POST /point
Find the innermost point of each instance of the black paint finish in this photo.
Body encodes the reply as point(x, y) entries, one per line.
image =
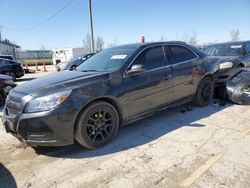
point(134, 96)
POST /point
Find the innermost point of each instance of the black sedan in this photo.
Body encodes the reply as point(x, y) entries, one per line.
point(113, 88)
point(238, 53)
point(6, 84)
point(11, 68)
point(73, 64)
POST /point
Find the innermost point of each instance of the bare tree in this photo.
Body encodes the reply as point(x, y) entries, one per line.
point(235, 35)
point(42, 47)
point(99, 43)
point(162, 38)
point(87, 42)
point(114, 43)
point(191, 39)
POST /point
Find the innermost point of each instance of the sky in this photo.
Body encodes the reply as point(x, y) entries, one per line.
point(35, 24)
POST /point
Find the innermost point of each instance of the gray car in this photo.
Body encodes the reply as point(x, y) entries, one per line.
point(238, 51)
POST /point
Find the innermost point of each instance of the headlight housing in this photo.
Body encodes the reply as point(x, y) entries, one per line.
point(47, 102)
point(226, 65)
point(9, 82)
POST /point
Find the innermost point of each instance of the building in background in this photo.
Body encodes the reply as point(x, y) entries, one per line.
point(67, 54)
point(35, 56)
point(8, 49)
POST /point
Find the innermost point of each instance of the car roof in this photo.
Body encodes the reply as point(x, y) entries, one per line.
point(225, 43)
point(138, 45)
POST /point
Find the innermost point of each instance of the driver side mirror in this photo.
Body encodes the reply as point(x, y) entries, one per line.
point(135, 69)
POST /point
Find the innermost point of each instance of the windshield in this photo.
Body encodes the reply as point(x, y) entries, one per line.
point(106, 60)
point(225, 50)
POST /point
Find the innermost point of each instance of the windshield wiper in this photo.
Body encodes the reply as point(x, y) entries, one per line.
point(89, 71)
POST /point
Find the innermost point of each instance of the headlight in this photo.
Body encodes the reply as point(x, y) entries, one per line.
point(226, 65)
point(47, 102)
point(9, 82)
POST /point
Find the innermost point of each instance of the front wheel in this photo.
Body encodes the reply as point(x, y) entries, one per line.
point(97, 125)
point(205, 92)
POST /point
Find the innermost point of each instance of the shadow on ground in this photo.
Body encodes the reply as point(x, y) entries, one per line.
point(6, 178)
point(141, 132)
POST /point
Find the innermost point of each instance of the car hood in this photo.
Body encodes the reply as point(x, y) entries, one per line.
point(56, 81)
point(4, 77)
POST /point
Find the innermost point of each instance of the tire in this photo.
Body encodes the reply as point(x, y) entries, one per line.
point(205, 92)
point(97, 125)
point(11, 74)
point(1, 100)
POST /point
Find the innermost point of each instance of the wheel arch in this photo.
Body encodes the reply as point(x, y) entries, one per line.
point(107, 99)
point(208, 74)
point(241, 65)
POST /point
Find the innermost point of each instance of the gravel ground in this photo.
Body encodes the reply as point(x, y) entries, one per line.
point(182, 147)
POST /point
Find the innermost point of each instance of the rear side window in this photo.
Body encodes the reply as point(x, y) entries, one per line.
point(4, 62)
point(248, 47)
point(151, 58)
point(181, 54)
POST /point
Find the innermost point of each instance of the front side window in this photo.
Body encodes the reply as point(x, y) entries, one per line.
point(151, 58)
point(181, 54)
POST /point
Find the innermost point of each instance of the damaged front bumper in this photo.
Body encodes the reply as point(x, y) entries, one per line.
point(236, 88)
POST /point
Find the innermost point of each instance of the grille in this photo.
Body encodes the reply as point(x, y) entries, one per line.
point(13, 105)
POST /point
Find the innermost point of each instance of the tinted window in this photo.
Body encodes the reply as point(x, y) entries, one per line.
point(248, 48)
point(151, 58)
point(181, 54)
point(6, 57)
point(4, 62)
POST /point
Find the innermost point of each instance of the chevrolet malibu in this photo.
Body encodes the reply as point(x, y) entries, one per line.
point(113, 88)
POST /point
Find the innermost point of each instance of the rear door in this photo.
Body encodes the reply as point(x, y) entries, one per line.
point(151, 88)
point(247, 54)
point(184, 65)
point(4, 65)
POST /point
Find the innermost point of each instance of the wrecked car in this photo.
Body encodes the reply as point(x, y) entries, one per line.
point(237, 52)
point(113, 88)
point(236, 88)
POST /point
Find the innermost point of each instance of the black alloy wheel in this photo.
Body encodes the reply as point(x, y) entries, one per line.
point(97, 125)
point(205, 92)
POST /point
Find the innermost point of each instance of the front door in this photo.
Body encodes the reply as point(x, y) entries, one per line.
point(151, 88)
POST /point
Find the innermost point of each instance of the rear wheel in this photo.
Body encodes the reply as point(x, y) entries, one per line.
point(97, 125)
point(205, 92)
point(11, 74)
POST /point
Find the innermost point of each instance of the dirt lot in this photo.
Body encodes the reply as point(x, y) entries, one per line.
point(183, 147)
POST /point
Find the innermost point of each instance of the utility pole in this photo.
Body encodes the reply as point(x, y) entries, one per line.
point(91, 28)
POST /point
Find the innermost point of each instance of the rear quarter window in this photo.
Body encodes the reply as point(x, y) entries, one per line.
point(4, 62)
